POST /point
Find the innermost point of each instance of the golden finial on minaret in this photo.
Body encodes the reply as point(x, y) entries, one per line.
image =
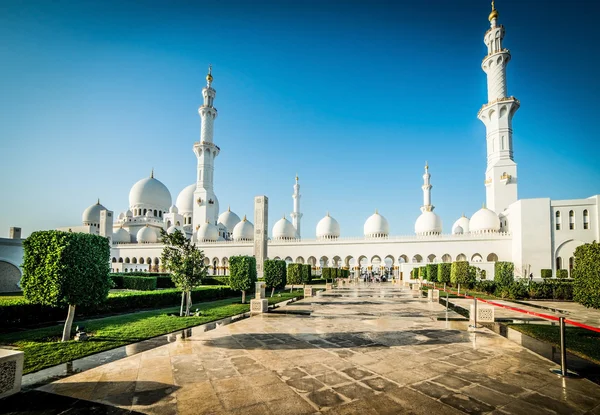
point(244, 220)
point(494, 13)
point(228, 208)
point(98, 202)
point(296, 177)
point(209, 77)
point(152, 173)
point(426, 165)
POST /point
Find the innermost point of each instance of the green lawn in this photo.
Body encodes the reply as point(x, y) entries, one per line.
point(580, 342)
point(43, 349)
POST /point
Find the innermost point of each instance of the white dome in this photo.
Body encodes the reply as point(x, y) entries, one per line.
point(185, 199)
point(91, 215)
point(428, 223)
point(483, 221)
point(229, 219)
point(128, 213)
point(121, 236)
point(150, 193)
point(243, 231)
point(147, 235)
point(173, 209)
point(121, 216)
point(283, 229)
point(328, 228)
point(463, 224)
point(208, 232)
point(174, 228)
point(376, 226)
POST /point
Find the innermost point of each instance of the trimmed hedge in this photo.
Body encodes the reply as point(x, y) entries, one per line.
point(274, 273)
point(423, 272)
point(242, 272)
point(163, 279)
point(459, 273)
point(432, 272)
point(294, 274)
point(306, 273)
point(546, 273)
point(22, 312)
point(586, 273)
point(444, 270)
point(223, 280)
point(504, 273)
point(139, 283)
point(562, 273)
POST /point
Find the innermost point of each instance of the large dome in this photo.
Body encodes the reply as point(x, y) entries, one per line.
point(484, 221)
point(376, 226)
point(328, 228)
point(229, 219)
point(121, 236)
point(208, 233)
point(428, 223)
point(243, 231)
point(461, 225)
point(91, 215)
point(185, 199)
point(150, 193)
point(283, 229)
point(147, 235)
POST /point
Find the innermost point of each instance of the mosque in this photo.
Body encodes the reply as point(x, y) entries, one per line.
point(535, 234)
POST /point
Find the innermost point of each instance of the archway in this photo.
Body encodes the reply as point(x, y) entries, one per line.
point(10, 276)
point(300, 260)
point(461, 257)
point(431, 258)
point(446, 258)
point(417, 258)
point(492, 257)
point(476, 258)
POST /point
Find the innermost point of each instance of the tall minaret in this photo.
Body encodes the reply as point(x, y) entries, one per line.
point(296, 215)
point(206, 205)
point(497, 114)
point(427, 206)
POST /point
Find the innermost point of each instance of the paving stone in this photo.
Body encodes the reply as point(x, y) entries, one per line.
point(354, 391)
point(305, 384)
point(451, 382)
point(325, 398)
point(466, 404)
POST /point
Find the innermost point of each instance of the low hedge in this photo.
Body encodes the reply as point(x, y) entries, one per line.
point(139, 283)
point(215, 280)
point(562, 273)
point(163, 279)
point(546, 273)
point(19, 312)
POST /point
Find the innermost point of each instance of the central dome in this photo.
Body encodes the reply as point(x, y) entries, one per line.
point(229, 219)
point(376, 226)
point(185, 199)
point(328, 228)
point(284, 229)
point(243, 231)
point(484, 221)
point(428, 223)
point(150, 193)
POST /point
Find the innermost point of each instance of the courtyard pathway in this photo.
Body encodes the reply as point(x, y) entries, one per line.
point(358, 350)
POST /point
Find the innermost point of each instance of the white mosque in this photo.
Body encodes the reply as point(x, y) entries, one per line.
point(533, 233)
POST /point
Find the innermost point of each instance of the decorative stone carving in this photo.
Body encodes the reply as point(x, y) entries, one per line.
point(11, 371)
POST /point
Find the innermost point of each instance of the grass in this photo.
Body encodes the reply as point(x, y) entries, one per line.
point(42, 347)
point(580, 342)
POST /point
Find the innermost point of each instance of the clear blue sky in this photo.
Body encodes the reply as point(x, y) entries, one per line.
point(354, 96)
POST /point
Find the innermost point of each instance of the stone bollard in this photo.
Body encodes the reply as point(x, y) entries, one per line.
point(260, 304)
point(328, 286)
point(309, 291)
point(11, 372)
point(433, 295)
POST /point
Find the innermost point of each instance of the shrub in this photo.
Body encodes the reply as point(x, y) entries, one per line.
point(117, 281)
point(139, 283)
point(215, 280)
point(414, 273)
point(546, 273)
point(515, 290)
point(274, 273)
point(586, 273)
point(66, 269)
point(487, 287)
point(459, 273)
point(242, 273)
point(294, 274)
point(504, 273)
point(444, 270)
point(432, 272)
point(423, 272)
point(326, 273)
point(562, 273)
point(306, 273)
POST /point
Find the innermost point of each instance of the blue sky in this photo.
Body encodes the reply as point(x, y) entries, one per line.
point(354, 96)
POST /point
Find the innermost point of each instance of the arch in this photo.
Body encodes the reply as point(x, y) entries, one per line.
point(323, 261)
point(558, 262)
point(206, 261)
point(461, 257)
point(586, 219)
point(492, 257)
point(145, 210)
point(431, 258)
point(389, 261)
point(566, 250)
point(363, 262)
point(375, 260)
point(288, 260)
point(503, 111)
point(134, 260)
point(348, 260)
point(557, 220)
point(114, 260)
point(312, 261)
point(155, 212)
point(178, 223)
point(141, 260)
point(10, 277)
point(571, 220)
point(277, 258)
point(215, 265)
point(120, 260)
point(417, 258)
point(446, 258)
point(127, 260)
point(476, 258)
point(300, 260)
point(402, 259)
point(156, 261)
point(149, 261)
point(168, 224)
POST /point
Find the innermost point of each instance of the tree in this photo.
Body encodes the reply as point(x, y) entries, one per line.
point(242, 274)
point(294, 274)
point(306, 274)
point(66, 269)
point(274, 274)
point(586, 274)
point(504, 273)
point(186, 264)
point(432, 272)
point(459, 273)
point(444, 272)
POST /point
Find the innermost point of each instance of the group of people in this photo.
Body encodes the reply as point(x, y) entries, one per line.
point(372, 277)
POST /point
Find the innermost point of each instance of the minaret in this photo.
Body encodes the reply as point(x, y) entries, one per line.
point(427, 206)
point(296, 215)
point(497, 114)
point(206, 205)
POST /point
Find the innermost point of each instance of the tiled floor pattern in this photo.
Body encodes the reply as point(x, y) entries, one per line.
point(374, 350)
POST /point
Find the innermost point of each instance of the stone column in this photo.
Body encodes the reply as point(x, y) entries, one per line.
point(261, 229)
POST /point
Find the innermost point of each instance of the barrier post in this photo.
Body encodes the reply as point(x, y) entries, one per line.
point(446, 301)
point(475, 313)
point(458, 289)
point(563, 371)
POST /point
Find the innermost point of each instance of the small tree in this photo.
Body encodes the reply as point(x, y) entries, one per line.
point(66, 269)
point(326, 273)
point(562, 274)
point(459, 272)
point(294, 274)
point(546, 273)
point(444, 270)
point(186, 264)
point(242, 274)
point(306, 274)
point(432, 271)
point(274, 274)
point(504, 273)
point(422, 272)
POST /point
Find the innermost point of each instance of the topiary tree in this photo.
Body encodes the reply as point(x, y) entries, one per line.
point(444, 270)
point(546, 273)
point(306, 274)
point(562, 274)
point(274, 274)
point(504, 273)
point(242, 274)
point(66, 269)
point(432, 272)
point(422, 272)
point(459, 273)
point(326, 273)
point(294, 275)
point(185, 262)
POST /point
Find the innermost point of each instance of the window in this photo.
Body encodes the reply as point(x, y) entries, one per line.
point(558, 263)
point(557, 221)
point(571, 220)
point(586, 219)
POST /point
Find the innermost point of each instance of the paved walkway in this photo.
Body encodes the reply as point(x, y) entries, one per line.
point(373, 350)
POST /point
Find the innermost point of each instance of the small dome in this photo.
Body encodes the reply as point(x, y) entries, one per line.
point(128, 213)
point(173, 209)
point(243, 231)
point(185, 199)
point(147, 235)
point(484, 221)
point(376, 226)
point(151, 193)
point(428, 223)
point(121, 216)
point(174, 228)
point(92, 214)
point(462, 223)
point(208, 233)
point(121, 236)
point(229, 219)
point(328, 228)
point(283, 229)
